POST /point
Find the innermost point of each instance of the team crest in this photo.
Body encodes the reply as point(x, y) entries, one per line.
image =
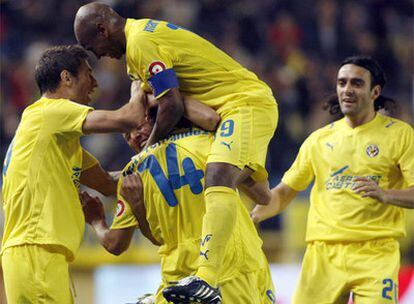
point(155, 67)
point(372, 150)
point(120, 208)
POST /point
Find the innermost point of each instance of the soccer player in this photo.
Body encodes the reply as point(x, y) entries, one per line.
point(170, 59)
point(43, 168)
point(363, 168)
point(161, 193)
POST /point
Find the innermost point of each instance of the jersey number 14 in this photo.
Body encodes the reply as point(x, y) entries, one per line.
point(192, 176)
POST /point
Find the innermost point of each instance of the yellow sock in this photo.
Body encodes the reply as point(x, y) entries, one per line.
point(218, 226)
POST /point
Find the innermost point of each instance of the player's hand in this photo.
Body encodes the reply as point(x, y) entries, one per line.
point(258, 214)
point(136, 88)
point(92, 208)
point(151, 101)
point(369, 188)
point(131, 189)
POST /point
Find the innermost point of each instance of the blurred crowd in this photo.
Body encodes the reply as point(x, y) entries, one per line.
point(293, 45)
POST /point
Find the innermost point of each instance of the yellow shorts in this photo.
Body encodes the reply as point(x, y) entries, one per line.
point(243, 136)
point(36, 274)
point(250, 288)
point(330, 271)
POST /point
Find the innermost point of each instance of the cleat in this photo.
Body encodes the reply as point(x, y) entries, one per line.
point(192, 289)
point(146, 299)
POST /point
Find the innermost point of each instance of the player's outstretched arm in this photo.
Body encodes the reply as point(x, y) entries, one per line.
point(100, 180)
point(132, 192)
point(282, 195)
point(200, 114)
point(170, 110)
point(129, 116)
point(115, 241)
point(195, 111)
point(369, 188)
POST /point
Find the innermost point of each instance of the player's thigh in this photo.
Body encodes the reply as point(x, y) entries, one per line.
point(376, 267)
point(266, 287)
point(19, 276)
point(40, 277)
point(243, 136)
point(249, 288)
point(321, 278)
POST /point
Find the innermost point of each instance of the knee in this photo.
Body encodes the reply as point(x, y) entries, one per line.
point(221, 174)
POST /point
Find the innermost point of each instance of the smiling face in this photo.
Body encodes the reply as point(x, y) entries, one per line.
point(355, 95)
point(138, 137)
point(83, 85)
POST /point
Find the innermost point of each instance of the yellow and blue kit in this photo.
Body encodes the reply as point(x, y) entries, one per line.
point(351, 238)
point(44, 222)
point(172, 173)
point(166, 56)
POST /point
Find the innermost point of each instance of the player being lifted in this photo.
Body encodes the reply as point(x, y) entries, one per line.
point(170, 60)
point(162, 194)
point(363, 171)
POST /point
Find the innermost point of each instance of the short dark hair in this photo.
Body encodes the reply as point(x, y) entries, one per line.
point(53, 61)
point(370, 64)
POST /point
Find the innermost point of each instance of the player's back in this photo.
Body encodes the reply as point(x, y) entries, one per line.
point(172, 173)
point(204, 71)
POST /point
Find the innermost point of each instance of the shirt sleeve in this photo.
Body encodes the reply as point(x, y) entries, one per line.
point(301, 173)
point(88, 160)
point(123, 217)
point(406, 159)
point(147, 59)
point(65, 117)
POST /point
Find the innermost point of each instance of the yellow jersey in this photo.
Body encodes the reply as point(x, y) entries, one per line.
point(203, 71)
point(172, 172)
point(41, 176)
point(381, 150)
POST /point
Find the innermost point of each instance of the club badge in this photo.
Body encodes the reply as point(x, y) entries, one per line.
point(372, 150)
point(155, 67)
point(120, 208)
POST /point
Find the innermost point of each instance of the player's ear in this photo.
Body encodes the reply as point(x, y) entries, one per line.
point(376, 91)
point(66, 78)
point(102, 30)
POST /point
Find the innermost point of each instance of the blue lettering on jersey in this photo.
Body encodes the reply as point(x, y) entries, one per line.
point(150, 26)
point(191, 177)
point(339, 181)
point(339, 171)
point(76, 174)
point(173, 26)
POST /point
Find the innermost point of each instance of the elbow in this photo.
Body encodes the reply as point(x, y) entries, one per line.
point(115, 251)
point(213, 119)
point(117, 248)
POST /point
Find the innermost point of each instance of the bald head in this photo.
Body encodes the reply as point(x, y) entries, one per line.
point(97, 26)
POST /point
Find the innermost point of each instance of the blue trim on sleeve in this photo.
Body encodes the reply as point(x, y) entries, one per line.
point(163, 81)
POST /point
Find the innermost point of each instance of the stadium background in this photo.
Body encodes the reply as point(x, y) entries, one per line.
point(293, 45)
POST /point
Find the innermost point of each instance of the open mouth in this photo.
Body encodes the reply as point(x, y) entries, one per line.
point(348, 101)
